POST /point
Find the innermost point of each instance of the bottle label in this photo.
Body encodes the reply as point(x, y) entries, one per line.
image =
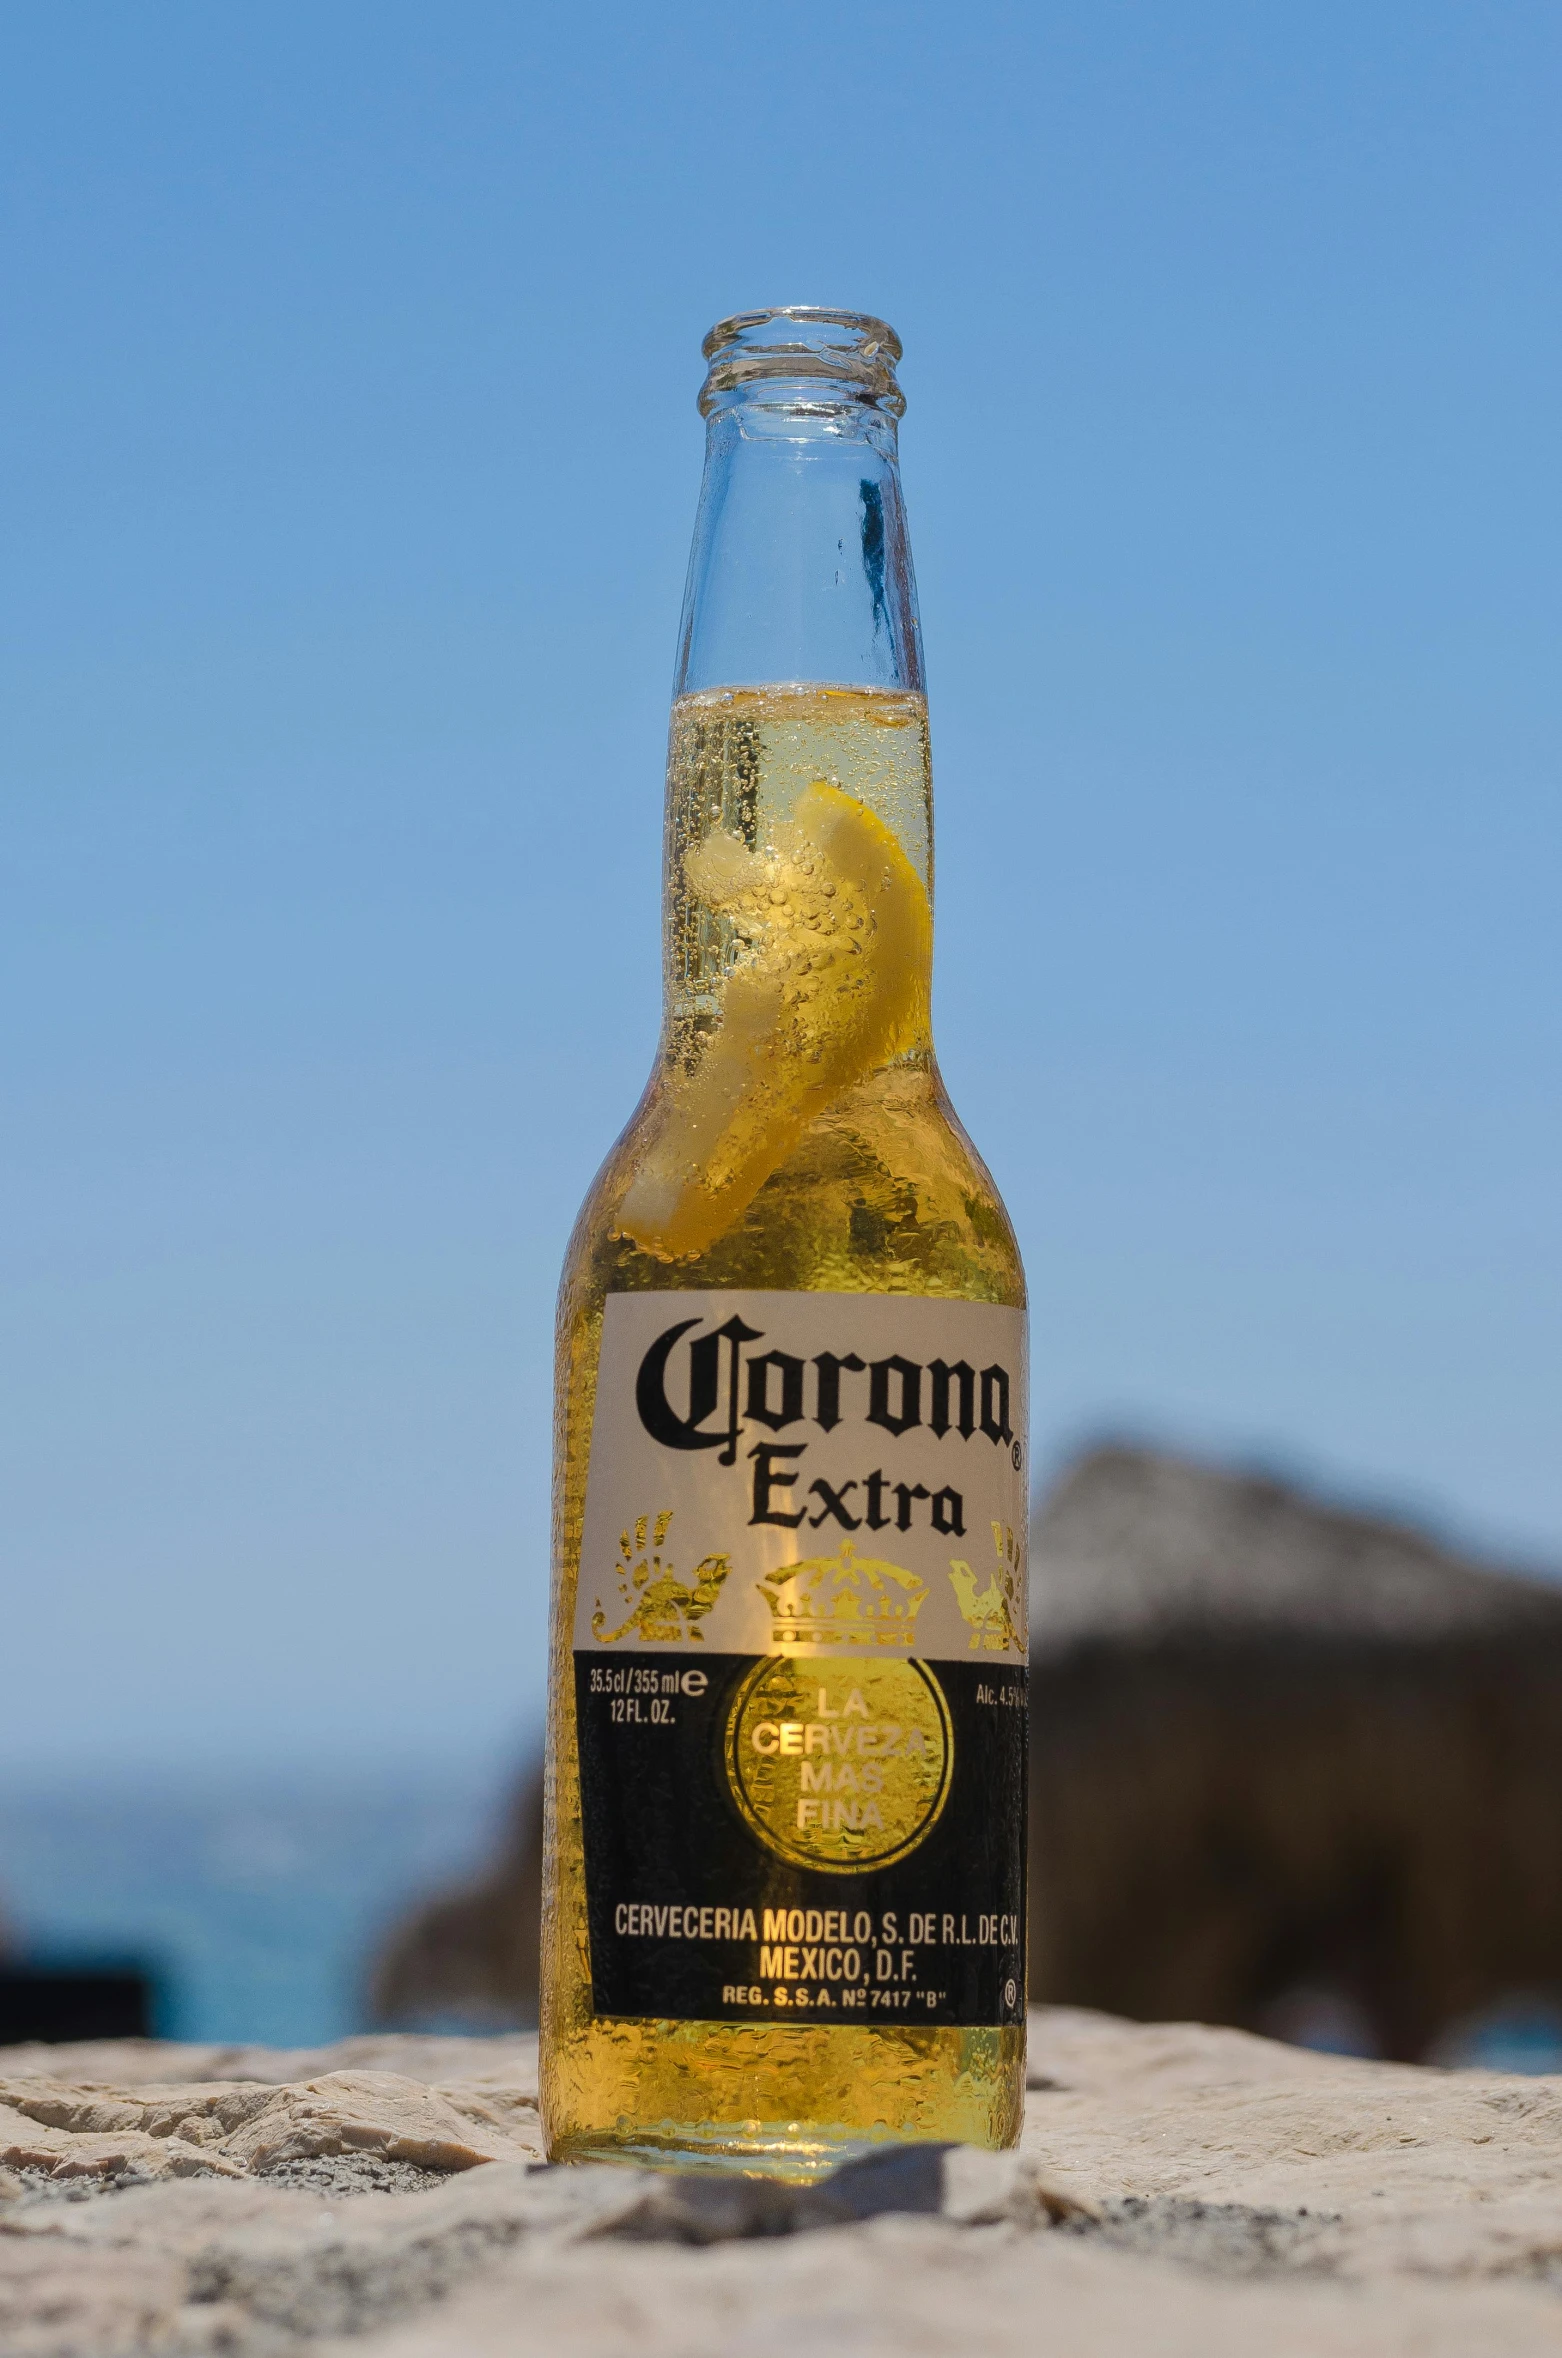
point(800, 1659)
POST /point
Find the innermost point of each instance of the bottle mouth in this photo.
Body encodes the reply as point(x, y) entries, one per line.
point(803, 346)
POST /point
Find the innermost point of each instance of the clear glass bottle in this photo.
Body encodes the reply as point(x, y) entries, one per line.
point(784, 1884)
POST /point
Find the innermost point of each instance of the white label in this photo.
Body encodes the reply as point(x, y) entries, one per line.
point(800, 1473)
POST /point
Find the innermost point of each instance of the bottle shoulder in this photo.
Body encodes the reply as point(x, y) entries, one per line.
point(884, 1193)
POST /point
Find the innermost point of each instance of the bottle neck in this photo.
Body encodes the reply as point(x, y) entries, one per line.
point(798, 913)
point(800, 571)
point(800, 653)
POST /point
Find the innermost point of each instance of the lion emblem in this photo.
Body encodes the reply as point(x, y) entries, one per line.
point(996, 1613)
point(661, 1608)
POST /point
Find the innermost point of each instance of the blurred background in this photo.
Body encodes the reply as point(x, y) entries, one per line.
point(350, 461)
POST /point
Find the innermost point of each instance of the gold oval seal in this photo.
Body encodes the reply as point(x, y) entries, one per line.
point(840, 1765)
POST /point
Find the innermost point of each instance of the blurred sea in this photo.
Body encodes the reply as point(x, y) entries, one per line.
point(255, 1905)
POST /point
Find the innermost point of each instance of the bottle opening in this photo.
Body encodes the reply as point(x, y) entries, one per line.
point(847, 355)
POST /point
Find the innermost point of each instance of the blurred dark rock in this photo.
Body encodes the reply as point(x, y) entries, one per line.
point(73, 2002)
point(1285, 1760)
point(468, 1956)
point(1293, 1769)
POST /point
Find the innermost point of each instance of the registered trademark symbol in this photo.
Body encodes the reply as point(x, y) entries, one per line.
point(1016, 1457)
point(1010, 1993)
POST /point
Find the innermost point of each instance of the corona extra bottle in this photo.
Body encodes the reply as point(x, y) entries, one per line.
point(784, 1896)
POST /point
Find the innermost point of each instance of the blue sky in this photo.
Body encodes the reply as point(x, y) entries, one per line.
point(351, 456)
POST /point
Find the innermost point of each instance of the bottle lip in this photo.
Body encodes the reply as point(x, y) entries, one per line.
point(804, 344)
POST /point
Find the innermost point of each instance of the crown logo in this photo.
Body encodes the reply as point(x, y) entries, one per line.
point(662, 1609)
point(996, 1614)
point(844, 1599)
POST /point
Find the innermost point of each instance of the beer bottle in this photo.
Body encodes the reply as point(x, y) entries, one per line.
point(784, 1897)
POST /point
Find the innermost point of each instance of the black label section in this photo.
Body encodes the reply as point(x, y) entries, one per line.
point(695, 1915)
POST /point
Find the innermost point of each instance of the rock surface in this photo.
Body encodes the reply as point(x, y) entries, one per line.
point(1180, 2192)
